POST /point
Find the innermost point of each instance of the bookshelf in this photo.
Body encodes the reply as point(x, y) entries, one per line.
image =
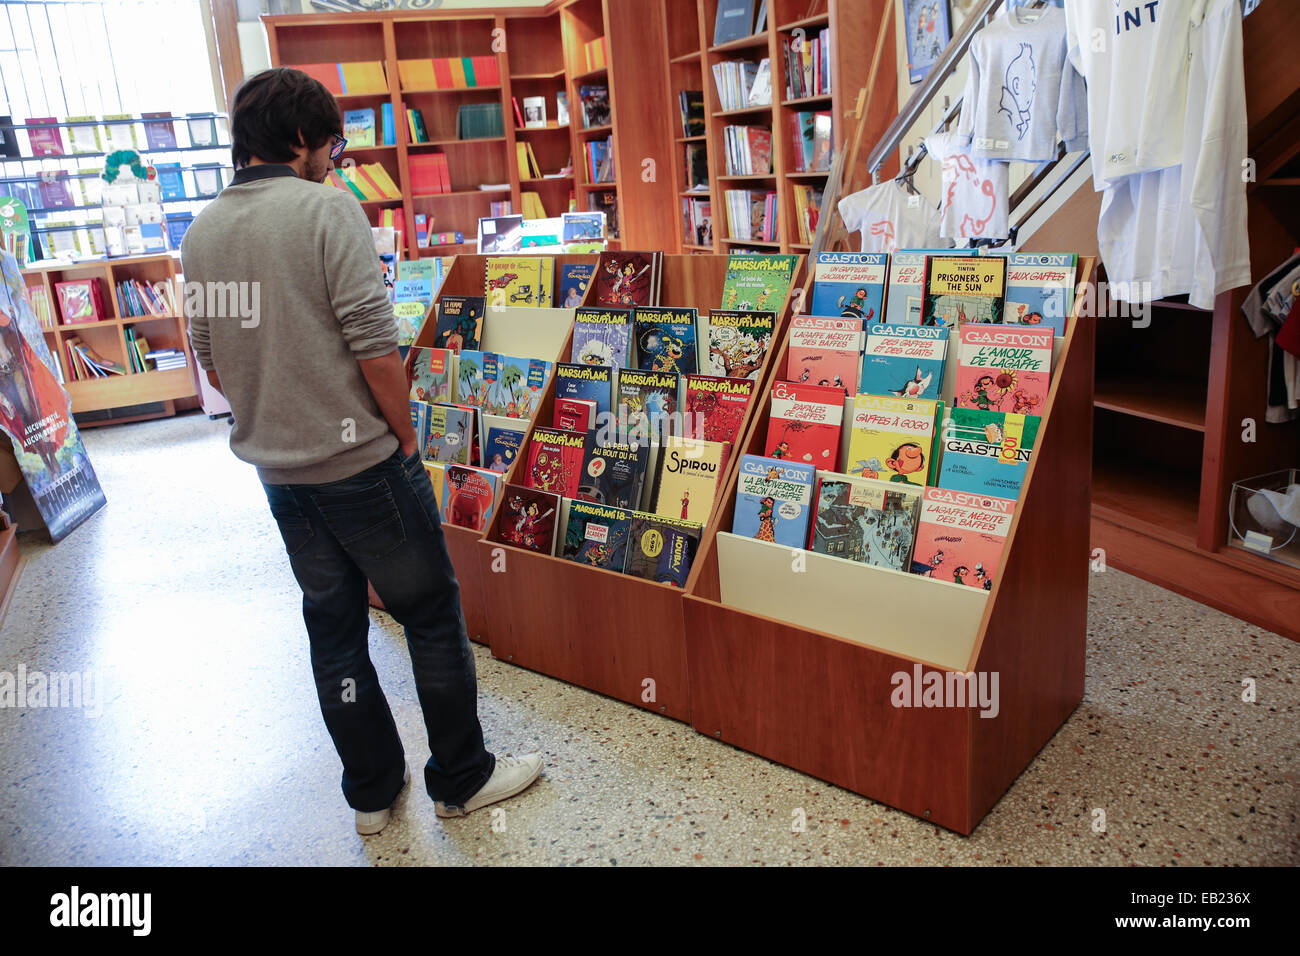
point(108, 337)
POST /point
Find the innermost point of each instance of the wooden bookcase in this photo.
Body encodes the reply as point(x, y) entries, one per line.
point(816, 695)
point(599, 629)
point(108, 338)
point(466, 277)
point(689, 57)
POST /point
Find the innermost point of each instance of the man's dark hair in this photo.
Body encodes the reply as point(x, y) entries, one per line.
point(277, 110)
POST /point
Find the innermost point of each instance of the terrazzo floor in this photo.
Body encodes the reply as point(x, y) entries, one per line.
point(209, 747)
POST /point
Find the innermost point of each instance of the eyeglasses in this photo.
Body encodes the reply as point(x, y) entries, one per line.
point(337, 147)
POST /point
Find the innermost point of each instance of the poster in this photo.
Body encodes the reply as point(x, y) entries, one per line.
point(35, 412)
point(928, 28)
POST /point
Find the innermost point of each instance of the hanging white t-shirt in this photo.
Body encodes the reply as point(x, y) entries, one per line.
point(1182, 229)
point(1135, 56)
point(890, 218)
point(973, 199)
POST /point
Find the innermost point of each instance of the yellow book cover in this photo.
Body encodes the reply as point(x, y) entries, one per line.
point(457, 72)
point(365, 76)
point(435, 471)
point(686, 479)
point(892, 439)
point(521, 157)
point(514, 281)
point(416, 74)
point(384, 181)
point(532, 204)
point(359, 184)
point(546, 266)
point(533, 164)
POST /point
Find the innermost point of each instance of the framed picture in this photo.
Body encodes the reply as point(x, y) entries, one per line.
point(928, 27)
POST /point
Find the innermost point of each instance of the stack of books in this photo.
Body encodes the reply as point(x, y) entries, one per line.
point(807, 207)
point(600, 160)
point(742, 83)
point(136, 298)
point(429, 174)
point(810, 139)
point(449, 73)
point(749, 150)
point(752, 214)
point(348, 79)
point(369, 181)
point(479, 121)
point(85, 363)
point(167, 359)
point(807, 65)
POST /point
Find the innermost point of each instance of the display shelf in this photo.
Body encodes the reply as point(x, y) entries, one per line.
point(823, 701)
point(595, 641)
point(1179, 402)
point(520, 332)
point(1162, 502)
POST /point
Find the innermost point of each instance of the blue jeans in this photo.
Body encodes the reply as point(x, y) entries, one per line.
point(382, 525)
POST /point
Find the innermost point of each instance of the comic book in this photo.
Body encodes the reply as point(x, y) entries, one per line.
point(573, 283)
point(687, 476)
point(515, 390)
point(850, 285)
point(614, 474)
point(448, 435)
point(987, 453)
point(645, 402)
point(433, 374)
point(586, 382)
point(774, 500)
point(460, 322)
point(861, 519)
point(468, 495)
point(555, 460)
point(475, 373)
point(805, 424)
point(893, 438)
point(715, 407)
point(531, 518)
point(734, 342)
point(661, 549)
point(906, 286)
point(1040, 289)
point(757, 282)
point(419, 419)
point(906, 361)
point(1004, 368)
point(574, 415)
point(501, 449)
point(597, 535)
point(961, 537)
point(961, 289)
point(825, 351)
point(519, 281)
point(628, 279)
point(665, 339)
point(602, 336)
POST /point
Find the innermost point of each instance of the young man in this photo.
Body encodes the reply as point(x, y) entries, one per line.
point(320, 406)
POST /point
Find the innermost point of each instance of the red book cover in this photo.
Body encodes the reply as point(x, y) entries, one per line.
point(555, 460)
point(468, 495)
point(444, 172)
point(575, 415)
point(805, 425)
point(45, 142)
point(78, 301)
point(715, 407)
point(625, 279)
point(760, 149)
point(1003, 368)
point(424, 175)
point(442, 74)
point(327, 73)
point(519, 117)
point(825, 351)
point(486, 72)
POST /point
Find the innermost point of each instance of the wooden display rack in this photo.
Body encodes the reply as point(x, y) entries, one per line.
point(108, 339)
point(599, 629)
point(819, 700)
point(545, 333)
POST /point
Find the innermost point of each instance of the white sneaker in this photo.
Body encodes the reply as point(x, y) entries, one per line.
point(368, 824)
point(511, 776)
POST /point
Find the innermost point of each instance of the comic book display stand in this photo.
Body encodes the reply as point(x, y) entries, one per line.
point(616, 634)
point(799, 665)
point(513, 330)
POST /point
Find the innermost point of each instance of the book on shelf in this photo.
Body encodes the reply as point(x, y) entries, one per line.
point(665, 338)
point(599, 158)
point(86, 363)
point(44, 138)
point(961, 289)
point(807, 210)
point(449, 73)
point(697, 217)
point(1004, 368)
point(661, 549)
point(960, 537)
point(752, 214)
point(715, 407)
point(429, 174)
point(80, 301)
point(1040, 289)
point(136, 299)
point(519, 281)
point(807, 64)
point(582, 227)
point(171, 182)
point(447, 434)
point(757, 282)
point(986, 452)
point(615, 474)
point(468, 496)
point(826, 351)
point(387, 130)
point(735, 342)
point(207, 179)
point(748, 150)
point(646, 401)
point(697, 167)
point(500, 233)
point(530, 518)
point(686, 478)
point(359, 128)
point(83, 135)
point(906, 361)
point(518, 386)
point(804, 424)
point(605, 201)
point(892, 439)
point(628, 279)
point(736, 82)
point(529, 168)
point(167, 359)
point(433, 374)
point(571, 284)
point(479, 121)
point(690, 103)
point(602, 335)
point(554, 460)
point(811, 141)
point(734, 21)
point(501, 448)
point(351, 78)
point(850, 284)
point(594, 98)
point(586, 382)
point(534, 112)
point(574, 415)
point(596, 535)
point(120, 133)
point(202, 128)
point(137, 348)
point(40, 299)
point(774, 500)
point(596, 54)
point(460, 322)
point(561, 108)
point(868, 521)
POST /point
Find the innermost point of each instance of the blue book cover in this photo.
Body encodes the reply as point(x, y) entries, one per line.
point(1040, 289)
point(573, 284)
point(661, 549)
point(850, 285)
point(986, 452)
point(906, 361)
point(177, 223)
point(170, 181)
point(594, 383)
point(502, 448)
point(602, 336)
point(419, 418)
point(389, 132)
point(665, 339)
point(774, 500)
point(596, 535)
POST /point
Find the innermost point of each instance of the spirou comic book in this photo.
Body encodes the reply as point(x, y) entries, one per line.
point(530, 518)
